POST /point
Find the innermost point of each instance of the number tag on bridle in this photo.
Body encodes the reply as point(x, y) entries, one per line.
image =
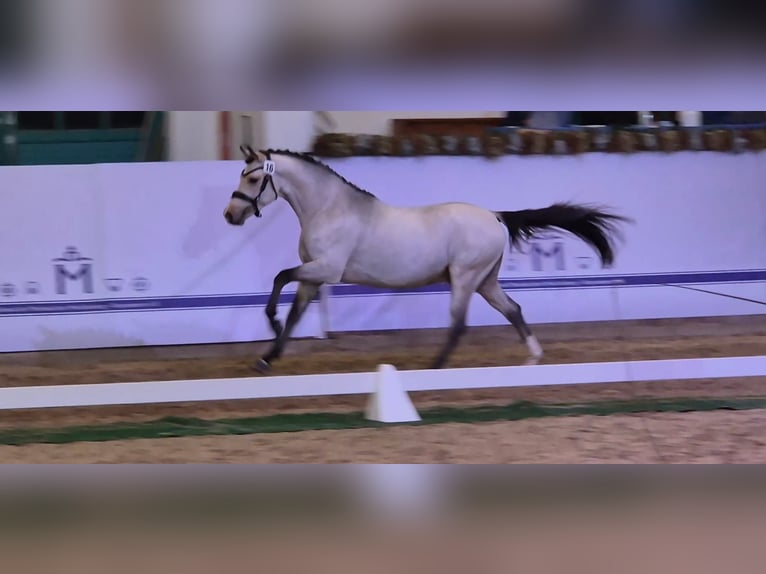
point(269, 167)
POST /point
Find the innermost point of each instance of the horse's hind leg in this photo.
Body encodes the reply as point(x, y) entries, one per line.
point(463, 286)
point(458, 310)
point(494, 295)
point(303, 297)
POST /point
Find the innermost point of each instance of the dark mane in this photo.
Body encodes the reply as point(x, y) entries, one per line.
point(314, 161)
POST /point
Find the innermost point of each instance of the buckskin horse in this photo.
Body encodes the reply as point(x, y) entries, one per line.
point(348, 235)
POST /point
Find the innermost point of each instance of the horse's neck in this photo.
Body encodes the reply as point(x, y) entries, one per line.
point(308, 198)
point(294, 200)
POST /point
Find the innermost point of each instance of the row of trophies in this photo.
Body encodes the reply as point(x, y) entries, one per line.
point(523, 141)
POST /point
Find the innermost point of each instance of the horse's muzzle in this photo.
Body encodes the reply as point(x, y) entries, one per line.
point(230, 219)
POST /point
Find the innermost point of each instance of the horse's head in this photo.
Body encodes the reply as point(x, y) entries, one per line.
point(256, 188)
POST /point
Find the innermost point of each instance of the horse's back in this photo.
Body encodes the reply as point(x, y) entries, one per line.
point(442, 219)
point(417, 245)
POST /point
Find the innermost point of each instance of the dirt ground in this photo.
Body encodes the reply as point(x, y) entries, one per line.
point(521, 441)
point(698, 437)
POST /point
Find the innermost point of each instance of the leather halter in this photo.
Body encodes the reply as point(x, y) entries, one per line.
point(267, 179)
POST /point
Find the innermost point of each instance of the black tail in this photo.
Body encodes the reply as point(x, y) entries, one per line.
point(597, 228)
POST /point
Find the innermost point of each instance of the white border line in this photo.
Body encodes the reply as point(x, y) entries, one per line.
point(365, 383)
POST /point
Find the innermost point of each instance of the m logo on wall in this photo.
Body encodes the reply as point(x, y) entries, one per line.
point(74, 268)
point(547, 251)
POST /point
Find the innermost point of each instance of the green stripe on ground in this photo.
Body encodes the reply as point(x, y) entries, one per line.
point(180, 427)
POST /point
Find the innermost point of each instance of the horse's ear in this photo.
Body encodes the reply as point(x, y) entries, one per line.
point(247, 151)
point(252, 155)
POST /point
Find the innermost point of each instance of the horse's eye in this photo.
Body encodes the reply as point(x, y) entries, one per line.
point(252, 180)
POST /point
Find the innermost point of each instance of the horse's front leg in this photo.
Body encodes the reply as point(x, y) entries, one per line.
point(311, 276)
point(280, 281)
point(303, 297)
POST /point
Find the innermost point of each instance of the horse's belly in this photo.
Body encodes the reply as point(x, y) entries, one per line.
point(394, 276)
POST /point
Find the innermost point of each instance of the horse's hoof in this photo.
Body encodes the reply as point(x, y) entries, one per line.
point(262, 366)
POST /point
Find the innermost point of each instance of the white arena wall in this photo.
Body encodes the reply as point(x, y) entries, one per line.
point(139, 254)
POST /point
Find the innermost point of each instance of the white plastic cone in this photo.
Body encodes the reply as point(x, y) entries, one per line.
point(390, 403)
